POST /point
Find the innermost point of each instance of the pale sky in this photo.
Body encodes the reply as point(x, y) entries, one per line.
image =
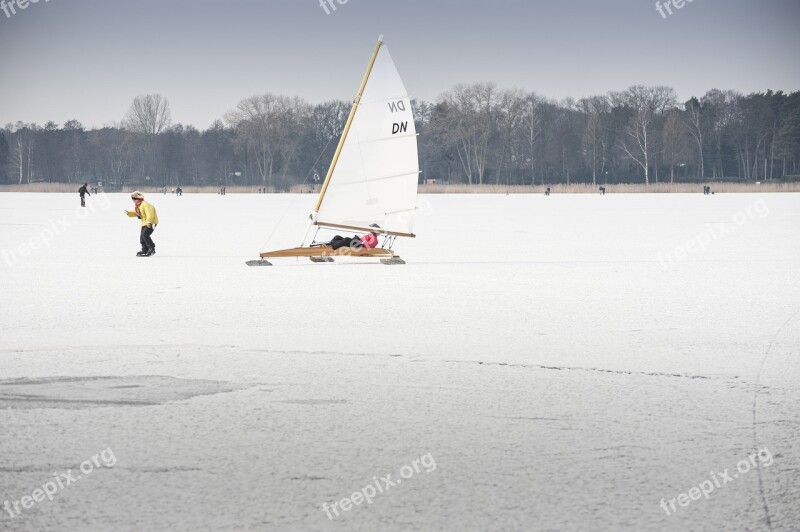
point(87, 59)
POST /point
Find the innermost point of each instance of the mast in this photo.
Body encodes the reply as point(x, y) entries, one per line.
point(347, 125)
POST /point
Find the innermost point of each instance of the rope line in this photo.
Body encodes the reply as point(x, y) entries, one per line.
point(755, 416)
point(291, 203)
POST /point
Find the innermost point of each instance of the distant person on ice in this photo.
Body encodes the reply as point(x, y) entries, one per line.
point(147, 214)
point(83, 191)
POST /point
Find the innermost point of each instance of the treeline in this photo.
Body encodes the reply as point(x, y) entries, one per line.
point(474, 134)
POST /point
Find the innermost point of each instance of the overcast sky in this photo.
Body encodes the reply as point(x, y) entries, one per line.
point(87, 59)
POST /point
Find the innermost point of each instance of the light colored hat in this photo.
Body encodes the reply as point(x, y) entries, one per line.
point(137, 195)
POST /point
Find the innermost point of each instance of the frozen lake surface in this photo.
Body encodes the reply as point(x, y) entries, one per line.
point(550, 363)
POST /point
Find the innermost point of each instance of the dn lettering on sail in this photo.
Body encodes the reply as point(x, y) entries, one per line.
point(399, 105)
point(401, 127)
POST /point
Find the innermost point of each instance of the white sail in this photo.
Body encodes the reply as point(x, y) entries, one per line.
point(375, 178)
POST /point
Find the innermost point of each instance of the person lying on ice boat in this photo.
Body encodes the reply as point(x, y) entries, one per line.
point(370, 240)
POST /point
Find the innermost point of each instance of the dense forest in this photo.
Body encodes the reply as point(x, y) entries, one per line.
point(475, 134)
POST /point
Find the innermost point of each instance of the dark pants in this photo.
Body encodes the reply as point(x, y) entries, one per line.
point(341, 242)
point(145, 240)
point(83, 201)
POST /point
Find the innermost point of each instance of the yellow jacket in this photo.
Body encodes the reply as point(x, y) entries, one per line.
point(148, 213)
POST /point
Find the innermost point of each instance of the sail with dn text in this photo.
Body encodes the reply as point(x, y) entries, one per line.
point(375, 178)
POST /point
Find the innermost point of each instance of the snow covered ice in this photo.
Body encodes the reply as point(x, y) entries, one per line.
point(568, 362)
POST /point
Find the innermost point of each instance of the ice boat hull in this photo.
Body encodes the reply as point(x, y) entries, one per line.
point(327, 251)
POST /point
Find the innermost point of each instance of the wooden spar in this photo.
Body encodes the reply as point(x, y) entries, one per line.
point(348, 124)
point(365, 229)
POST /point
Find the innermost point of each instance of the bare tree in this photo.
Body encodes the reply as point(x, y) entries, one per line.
point(75, 150)
point(22, 144)
point(722, 115)
point(694, 113)
point(4, 153)
point(566, 132)
point(509, 121)
point(269, 128)
point(533, 127)
point(18, 156)
point(324, 123)
point(594, 141)
point(423, 111)
point(121, 153)
point(467, 122)
point(674, 140)
point(646, 104)
point(148, 114)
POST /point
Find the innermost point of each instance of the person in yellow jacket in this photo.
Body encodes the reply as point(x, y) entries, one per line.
point(147, 214)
